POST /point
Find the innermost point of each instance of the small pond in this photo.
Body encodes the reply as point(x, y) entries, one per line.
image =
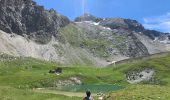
point(91, 87)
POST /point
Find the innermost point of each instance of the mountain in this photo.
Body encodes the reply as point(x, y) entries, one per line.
point(27, 29)
point(87, 17)
point(24, 17)
point(117, 23)
point(154, 41)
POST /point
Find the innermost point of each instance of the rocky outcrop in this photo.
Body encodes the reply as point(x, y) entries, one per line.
point(25, 17)
point(68, 82)
point(5, 57)
point(137, 76)
point(56, 71)
point(134, 47)
point(87, 17)
point(152, 34)
point(117, 23)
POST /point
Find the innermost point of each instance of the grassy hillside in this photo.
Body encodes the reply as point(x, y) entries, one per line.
point(157, 90)
point(10, 93)
point(19, 76)
point(142, 92)
point(100, 42)
point(160, 64)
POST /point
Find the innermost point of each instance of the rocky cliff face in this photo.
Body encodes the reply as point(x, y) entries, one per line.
point(25, 17)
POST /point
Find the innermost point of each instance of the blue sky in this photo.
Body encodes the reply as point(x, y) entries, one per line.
point(153, 14)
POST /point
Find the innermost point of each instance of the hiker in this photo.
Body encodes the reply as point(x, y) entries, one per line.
point(88, 97)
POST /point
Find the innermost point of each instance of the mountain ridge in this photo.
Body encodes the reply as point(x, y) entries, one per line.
point(114, 23)
point(30, 30)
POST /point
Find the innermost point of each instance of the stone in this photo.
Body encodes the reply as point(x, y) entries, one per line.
point(56, 71)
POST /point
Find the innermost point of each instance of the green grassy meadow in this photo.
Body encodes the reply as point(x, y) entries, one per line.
point(18, 78)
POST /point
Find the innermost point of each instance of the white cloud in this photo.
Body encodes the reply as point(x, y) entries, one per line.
point(161, 23)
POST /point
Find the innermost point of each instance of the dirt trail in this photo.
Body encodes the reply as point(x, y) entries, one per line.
point(70, 94)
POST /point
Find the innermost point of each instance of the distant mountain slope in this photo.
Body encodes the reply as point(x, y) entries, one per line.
point(29, 30)
point(154, 41)
point(120, 23)
point(103, 42)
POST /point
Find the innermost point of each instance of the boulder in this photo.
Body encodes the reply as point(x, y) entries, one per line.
point(56, 71)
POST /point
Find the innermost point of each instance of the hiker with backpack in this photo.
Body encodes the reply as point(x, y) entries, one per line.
point(88, 96)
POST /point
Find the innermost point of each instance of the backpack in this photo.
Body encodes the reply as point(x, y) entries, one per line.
point(87, 98)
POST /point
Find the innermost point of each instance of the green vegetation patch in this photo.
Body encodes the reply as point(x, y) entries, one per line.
point(142, 92)
point(19, 76)
point(9, 93)
point(97, 42)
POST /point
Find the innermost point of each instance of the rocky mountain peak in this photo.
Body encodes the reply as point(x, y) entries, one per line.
point(87, 17)
point(129, 24)
point(113, 23)
point(26, 17)
point(125, 24)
